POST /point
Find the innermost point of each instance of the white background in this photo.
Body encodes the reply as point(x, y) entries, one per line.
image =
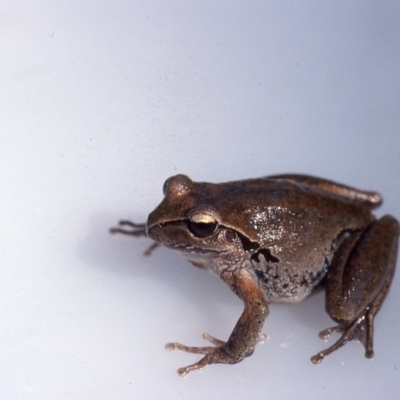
point(99, 103)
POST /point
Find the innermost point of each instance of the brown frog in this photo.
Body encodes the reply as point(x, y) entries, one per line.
point(273, 240)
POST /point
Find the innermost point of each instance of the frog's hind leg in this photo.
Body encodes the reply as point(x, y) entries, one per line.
point(358, 282)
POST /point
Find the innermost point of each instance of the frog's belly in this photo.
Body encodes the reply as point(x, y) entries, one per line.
point(288, 283)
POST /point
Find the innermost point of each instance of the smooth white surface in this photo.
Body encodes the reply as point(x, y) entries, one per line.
point(99, 103)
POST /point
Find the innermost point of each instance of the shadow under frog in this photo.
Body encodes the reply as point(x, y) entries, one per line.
point(273, 240)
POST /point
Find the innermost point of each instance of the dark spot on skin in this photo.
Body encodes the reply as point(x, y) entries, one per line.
point(247, 244)
point(267, 255)
point(261, 275)
point(255, 250)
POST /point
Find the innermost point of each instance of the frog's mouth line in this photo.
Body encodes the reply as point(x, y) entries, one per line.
point(193, 249)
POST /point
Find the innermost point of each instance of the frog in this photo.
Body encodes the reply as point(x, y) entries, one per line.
point(276, 239)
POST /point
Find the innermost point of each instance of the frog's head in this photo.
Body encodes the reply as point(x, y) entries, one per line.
point(187, 219)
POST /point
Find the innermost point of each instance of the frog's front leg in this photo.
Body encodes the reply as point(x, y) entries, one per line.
point(358, 282)
point(246, 332)
point(136, 229)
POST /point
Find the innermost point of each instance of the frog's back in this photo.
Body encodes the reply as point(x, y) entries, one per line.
point(266, 209)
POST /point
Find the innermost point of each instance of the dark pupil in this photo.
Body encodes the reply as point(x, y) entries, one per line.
point(202, 229)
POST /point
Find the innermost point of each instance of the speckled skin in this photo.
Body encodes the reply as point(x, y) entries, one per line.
point(273, 240)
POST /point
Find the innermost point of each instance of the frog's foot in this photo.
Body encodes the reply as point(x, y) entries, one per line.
point(216, 354)
point(136, 230)
point(361, 330)
point(212, 355)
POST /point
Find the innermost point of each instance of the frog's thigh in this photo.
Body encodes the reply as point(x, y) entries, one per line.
point(362, 270)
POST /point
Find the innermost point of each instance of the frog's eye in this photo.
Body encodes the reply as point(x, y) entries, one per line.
point(202, 225)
